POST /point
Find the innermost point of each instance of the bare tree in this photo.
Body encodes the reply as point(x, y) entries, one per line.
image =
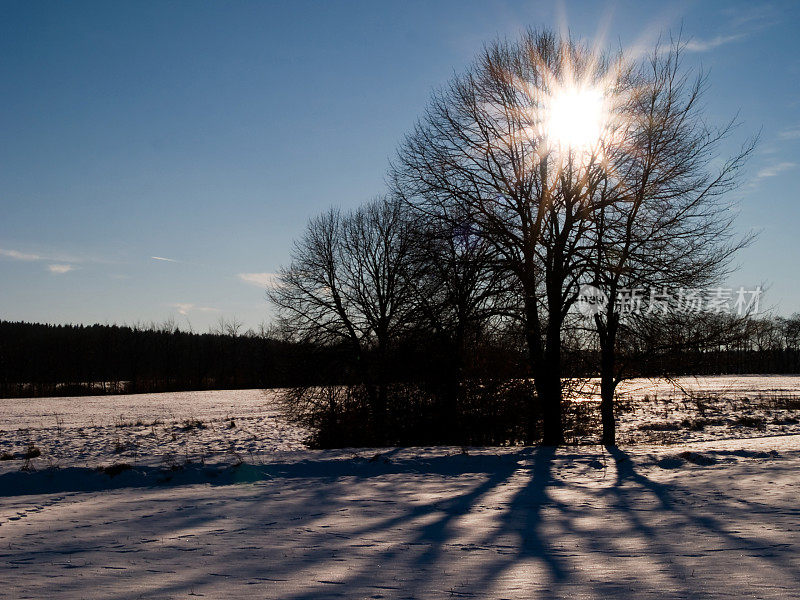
point(458, 291)
point(792, 331)
point(351, 284)
point(481, 149)
point(231, 327)
point(662, 221)
point(640, 206)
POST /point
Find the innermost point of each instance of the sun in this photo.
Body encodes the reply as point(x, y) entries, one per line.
point(575, 118)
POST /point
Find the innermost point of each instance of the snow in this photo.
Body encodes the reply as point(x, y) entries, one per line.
point(146, 428)
point(706, 518)
point(696, 409)
point(521, 523)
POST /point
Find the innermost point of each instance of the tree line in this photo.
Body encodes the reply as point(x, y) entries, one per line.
point(46, 360)
point(49, 360)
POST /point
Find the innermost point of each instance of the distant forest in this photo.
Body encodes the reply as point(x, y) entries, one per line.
point(58, 360)
point(45, 360)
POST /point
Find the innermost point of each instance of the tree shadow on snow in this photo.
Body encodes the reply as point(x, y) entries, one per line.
point(521, 523)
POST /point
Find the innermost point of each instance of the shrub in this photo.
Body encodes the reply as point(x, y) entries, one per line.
point(115, 469)
point(193, 424)
point(746, 421)
point(32, 452)
point(479, 412)
point(660, 426)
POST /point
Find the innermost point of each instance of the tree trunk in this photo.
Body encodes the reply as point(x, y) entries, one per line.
point(546, 367)
point(380, 415)
point(450, 421)
point(381, 393)
point(376, 396)
point(608, 384)
point(548, 389)
point(552, 422)
point(607, 387)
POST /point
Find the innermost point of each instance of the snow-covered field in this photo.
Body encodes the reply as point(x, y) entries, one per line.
point(234, 425)
point(700, 519)
point(708, 408)
point(145, 428)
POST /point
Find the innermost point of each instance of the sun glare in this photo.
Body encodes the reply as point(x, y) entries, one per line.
point(575, 118)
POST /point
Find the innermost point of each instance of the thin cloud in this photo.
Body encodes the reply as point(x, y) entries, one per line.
point(56, 268)
point(57, 257)
point(16, 255)
point(164, 259)
point(184, 308)
point(716, 42)
point(740, 22)
point(790, 134)
point(754, 15)
point(262, 280)
point(774, 170)
point(60, 269)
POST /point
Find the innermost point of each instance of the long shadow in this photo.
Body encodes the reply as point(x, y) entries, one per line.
point(438, 516)
point(432, 535)
point(523, 521)
point(82, 479)
point(668, 503)
point(520, 533)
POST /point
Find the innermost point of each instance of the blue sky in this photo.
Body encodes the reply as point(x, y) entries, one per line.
point(207, 133)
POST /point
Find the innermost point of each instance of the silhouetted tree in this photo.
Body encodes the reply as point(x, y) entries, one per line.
point(351, 282)
point(481, 150)
point(661, 222)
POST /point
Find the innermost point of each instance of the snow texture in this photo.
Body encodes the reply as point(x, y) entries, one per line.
point(699, 519)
